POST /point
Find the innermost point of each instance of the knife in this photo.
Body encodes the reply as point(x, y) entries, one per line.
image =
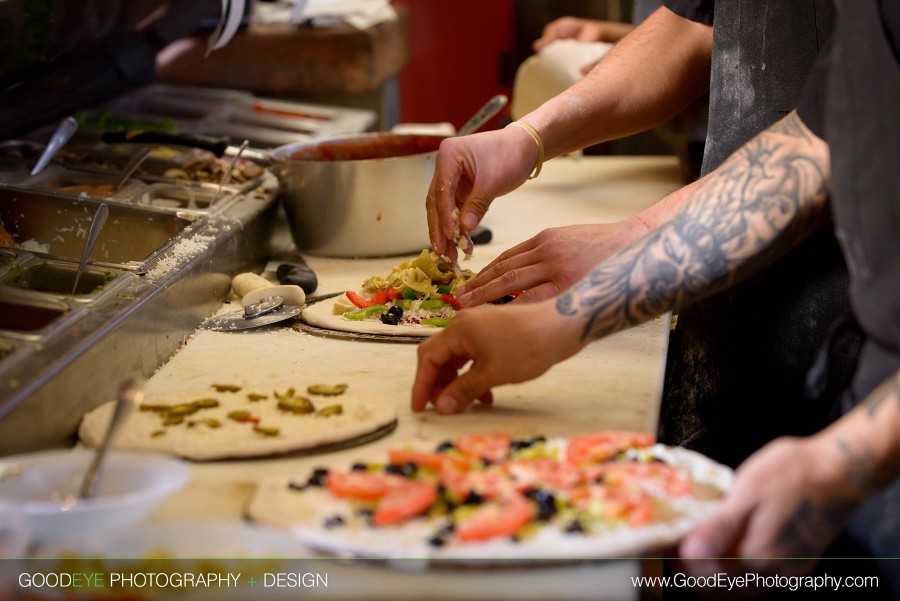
point(220, 146)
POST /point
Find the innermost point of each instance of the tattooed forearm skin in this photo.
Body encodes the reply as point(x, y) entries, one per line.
point(764, 199)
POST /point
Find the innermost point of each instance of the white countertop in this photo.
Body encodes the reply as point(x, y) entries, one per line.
point(613, 384)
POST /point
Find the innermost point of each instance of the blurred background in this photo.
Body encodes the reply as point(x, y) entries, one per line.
point(437, 62)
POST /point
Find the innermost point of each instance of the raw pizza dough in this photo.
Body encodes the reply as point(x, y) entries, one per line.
point(320, 315)
point(304, 513)
point(360, 417)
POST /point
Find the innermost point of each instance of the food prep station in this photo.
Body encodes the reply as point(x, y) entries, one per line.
point(162, 263)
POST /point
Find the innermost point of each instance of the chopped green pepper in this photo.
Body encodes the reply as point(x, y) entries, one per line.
point(432, 303)
point(409, 294)
point(437, 322)
point(367, 312)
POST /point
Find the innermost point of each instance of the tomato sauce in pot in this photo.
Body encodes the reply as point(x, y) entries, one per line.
point(369, 148)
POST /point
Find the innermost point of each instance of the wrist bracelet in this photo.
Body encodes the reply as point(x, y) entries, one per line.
point(540, 144)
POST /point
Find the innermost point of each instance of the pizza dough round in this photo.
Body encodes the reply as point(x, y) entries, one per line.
point(320, 315)
point(304, 512)
point(360, 420)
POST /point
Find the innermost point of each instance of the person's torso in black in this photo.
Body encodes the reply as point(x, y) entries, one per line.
point(738, 360)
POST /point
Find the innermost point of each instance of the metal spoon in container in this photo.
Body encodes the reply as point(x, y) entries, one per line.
point(484, 114)
point(64, 132)
point(131, 394)
point(96, 225)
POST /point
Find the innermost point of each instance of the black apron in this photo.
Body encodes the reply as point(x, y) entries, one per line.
point(737, 363)
point(862, 127)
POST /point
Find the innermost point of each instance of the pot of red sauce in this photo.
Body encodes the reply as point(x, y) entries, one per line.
point(358, 196)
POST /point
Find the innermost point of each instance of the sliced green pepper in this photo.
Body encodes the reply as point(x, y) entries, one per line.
point(432, 303)
point(409, 294)
point(403, 303)
point(444, 289)
point(367, 312)
point(437, 322)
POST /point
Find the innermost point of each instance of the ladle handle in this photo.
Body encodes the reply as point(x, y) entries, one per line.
point(131, 394)
point(64, 132)
point(490, 108)
point(96, 225)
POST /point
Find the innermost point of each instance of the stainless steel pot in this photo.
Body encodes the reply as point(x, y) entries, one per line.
point(358, 196)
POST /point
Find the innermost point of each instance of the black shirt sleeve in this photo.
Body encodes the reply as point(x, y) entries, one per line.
point(811, 106)
point(700, 11)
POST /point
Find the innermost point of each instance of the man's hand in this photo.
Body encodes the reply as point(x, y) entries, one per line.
point(550, 262)
point(788, 500)
point(470, 172)
point(504, 344)
point(791, 498)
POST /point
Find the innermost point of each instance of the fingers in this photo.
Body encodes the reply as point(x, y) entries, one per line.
point(437, 379)
point(435, 233)
point(518, 273)
point(441, 201)
point(719, 536)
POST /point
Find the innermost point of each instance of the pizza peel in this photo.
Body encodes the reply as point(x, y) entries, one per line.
point(266, 312)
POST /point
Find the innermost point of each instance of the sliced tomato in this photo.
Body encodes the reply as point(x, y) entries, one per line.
point(362, 486)
point(491, 483)
point(653, 477)
point(593, 448)
point(492, 447)
point(433, 461)
point(635, 507)
point(405, 502)
point(359, 301)
point(504, 517)
point(545, 473)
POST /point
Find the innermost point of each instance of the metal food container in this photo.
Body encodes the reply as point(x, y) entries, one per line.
point(358, 196)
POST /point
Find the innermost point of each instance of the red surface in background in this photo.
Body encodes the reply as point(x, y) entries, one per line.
point(456, 52)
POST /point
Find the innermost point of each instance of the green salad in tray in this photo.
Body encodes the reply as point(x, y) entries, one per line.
point(416, 292)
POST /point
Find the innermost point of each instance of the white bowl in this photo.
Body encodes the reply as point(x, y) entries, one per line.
point(45, 486)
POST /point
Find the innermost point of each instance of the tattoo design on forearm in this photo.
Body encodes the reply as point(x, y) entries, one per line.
point(767, 196)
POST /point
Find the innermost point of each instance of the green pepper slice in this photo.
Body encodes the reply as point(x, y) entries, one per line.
point(437, 322)
point(367, 312)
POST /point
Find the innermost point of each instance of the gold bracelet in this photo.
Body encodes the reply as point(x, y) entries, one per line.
point(540, 144)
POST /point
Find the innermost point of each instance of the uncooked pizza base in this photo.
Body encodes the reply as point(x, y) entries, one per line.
point(304, 512)
point(320, 315)
point(361, 417)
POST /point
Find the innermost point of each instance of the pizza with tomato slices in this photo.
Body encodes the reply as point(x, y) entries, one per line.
point(415, 299)
point(494, 498)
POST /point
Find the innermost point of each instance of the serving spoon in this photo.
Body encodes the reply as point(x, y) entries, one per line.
point(64, 132)
point(96, 225)
point(131, 394)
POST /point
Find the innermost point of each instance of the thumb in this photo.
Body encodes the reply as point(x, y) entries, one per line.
point(462, 391)
point(472, 212)
point(718, 536)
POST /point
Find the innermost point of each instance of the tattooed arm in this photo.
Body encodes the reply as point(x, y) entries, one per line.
point(754, 208)
point(820, 481)
point(762, 201)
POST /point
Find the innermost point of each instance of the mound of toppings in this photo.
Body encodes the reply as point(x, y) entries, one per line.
point(202, 166)
point(416, 292)
point(480, 487)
